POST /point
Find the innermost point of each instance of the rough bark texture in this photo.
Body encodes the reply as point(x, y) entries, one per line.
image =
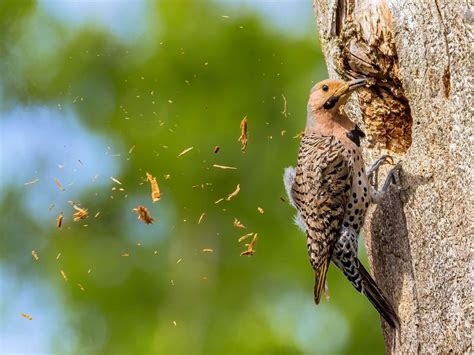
point(418, 239)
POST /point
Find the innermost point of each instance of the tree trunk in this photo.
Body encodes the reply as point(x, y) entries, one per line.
point(419, 238)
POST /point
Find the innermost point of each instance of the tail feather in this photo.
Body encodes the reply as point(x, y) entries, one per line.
point(376, 297)
point(320, 280)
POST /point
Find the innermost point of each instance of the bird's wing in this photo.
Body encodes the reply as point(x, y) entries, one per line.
point(320, 190)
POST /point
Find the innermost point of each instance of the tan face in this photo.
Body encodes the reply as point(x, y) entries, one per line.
point(329, 95)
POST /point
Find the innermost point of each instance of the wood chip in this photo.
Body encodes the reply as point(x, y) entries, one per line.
point(224, 167)
point(243, 139)
point(59, 220)
point(235, 193)
point(185, 151)
point(179, 260)
point(58, 256)
point(58, 184)
point(245, 237)
point(143, 214)
point(200, 218)
point(216, 149)
point(115, 180)
point(299, 135)
point(125, 254)
point(63, 274)
point(260, 209)
point(35, 254)
point(237, 224)
point(34, 181)
point(80, 214)
point(131, 149)
point(27, 316)
point(207, 250)
point(219, 200)
point(81, 287)
point(155, 190)
point(284, 106)
point(250, 250)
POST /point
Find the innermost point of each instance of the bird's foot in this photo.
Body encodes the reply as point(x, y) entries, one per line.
point(393, 178)
point(373, 171)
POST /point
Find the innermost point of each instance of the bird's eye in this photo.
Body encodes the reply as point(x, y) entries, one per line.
point(325, 88)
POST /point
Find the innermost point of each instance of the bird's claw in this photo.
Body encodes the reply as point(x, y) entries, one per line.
point(372, 173)
point(393, 177)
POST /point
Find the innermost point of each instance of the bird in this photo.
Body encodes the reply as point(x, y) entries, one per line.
point(331, 192)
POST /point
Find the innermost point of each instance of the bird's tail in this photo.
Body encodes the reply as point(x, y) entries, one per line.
point(376, 297)
point(320, 280)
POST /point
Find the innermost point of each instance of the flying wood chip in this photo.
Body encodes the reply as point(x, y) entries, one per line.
point(243, 133)
point(200, 218)
point(284, 112)
point(80, 214)
point(245, 236)
point(35, 255)
point(237, 224)
point(224, 167)
point(58, 184)
point(233, 194)
point(250, 250)
point(59, 220)
point(299, 135)
point(115, 180)
point(155, 190)
point(27, 316)
point(34, 181)
point(185, 151)
point(143, 214)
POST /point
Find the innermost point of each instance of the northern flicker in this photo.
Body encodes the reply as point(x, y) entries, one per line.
point(331, 191)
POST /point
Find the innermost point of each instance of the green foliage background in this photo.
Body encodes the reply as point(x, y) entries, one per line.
point(187, 82)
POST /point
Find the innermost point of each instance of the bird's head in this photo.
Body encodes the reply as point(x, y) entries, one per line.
point(328, 95)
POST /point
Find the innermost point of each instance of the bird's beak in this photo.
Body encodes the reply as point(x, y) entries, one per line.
point(343, 91)
point(350, 86)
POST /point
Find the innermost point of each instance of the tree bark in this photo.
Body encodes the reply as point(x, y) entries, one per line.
point(419, 238)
